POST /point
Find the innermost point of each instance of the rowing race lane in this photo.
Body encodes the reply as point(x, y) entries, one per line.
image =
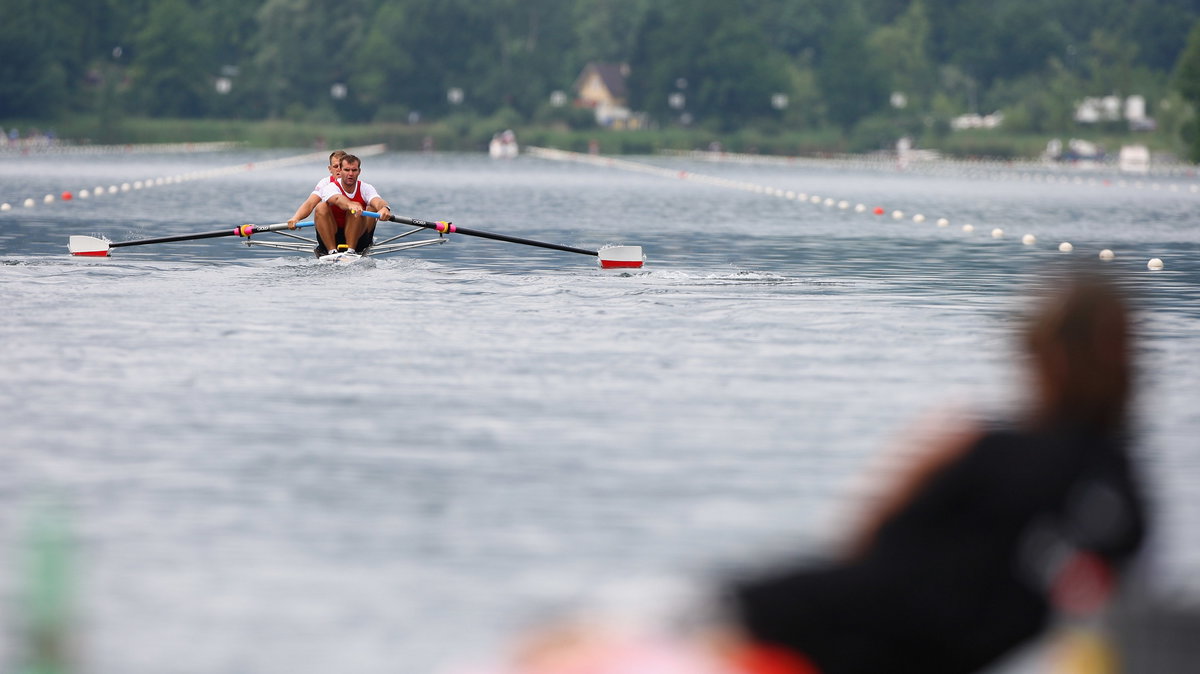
point(1028, 239)
point(100, 190)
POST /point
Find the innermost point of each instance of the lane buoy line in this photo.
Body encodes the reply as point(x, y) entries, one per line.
point(791, 195)
point(101, 190)
point(981, 169)
point(35, 146)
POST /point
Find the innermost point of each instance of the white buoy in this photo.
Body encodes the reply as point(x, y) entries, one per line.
point(791, 195)
point(137, 184)
point(1066, 247)
point(829, 202)
point(997, 233)
point(896, 215)
point(5, 206)
point(968, 228)
point(1107, 254)
point(859, 208)
point(28, 202)
point(843, 205)
point(815, 199)
point(48, 199)
point(1029, 239)
point(1154, 264)
point(98, 191)
point(943, 222)
point(112, 189)
point(124, 187)
point(84, 194)
point(918, 218)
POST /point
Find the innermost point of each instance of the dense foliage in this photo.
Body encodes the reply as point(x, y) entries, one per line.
point(838, 62)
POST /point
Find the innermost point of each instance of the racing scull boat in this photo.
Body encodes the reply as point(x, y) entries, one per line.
point(609, 257)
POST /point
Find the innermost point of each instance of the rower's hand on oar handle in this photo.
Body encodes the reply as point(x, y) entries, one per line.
point(384, 213)
point(291, 223)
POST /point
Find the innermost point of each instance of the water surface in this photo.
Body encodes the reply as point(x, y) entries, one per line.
point(271, 465)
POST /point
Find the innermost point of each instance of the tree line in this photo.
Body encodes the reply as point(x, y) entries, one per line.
point(790, 63)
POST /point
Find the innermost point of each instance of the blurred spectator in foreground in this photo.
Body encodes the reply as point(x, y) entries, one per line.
point(993, 532)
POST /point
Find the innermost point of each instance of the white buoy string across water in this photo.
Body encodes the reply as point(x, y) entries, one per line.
point(1182, 177)
point(129, 186)
point(1027, 239)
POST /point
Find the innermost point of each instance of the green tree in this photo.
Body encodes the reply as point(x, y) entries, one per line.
point(604, 29)
point(849, 78)
point(231, 26)
point(1159, 30)
point(902, 52)
point(1041, 102)
point(529, 53)
point(806, 107)
point(170, 71)
point(305, 47)
point(429, 51)
point(1187, 82)
point(33, 79)
point(794, 27)
point(726, 77)
point(1110, 63)
point(376, 86)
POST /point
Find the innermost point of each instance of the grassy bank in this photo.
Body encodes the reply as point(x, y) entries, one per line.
point(460, 134)
point(464, 134)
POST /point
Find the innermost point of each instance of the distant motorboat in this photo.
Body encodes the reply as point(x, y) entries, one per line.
point(504, 145)
point(1079, 153)
point(1134, 159)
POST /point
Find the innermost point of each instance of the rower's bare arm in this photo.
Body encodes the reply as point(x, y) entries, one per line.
point(304, 210)
point(379, 205)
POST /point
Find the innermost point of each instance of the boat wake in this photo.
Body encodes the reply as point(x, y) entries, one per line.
point(736, 277)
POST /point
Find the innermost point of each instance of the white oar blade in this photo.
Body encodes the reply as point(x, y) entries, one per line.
point(621, 257)
point(88, 246)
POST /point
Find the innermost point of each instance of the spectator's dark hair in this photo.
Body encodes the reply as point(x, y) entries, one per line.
point(1079, 339)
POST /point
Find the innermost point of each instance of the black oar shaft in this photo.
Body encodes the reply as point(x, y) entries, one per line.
point(454, 229)
point(244, 230)
point(169, 239)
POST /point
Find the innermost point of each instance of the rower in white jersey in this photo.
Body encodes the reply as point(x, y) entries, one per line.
point(342, 221)
point(314, 199)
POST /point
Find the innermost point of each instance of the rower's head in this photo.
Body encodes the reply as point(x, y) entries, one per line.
point(335, 161)
point(349, 168)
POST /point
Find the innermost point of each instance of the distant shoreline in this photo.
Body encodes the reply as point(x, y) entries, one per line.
point(474, 134)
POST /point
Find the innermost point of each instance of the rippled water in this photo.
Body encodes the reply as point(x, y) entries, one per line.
point(272, 465)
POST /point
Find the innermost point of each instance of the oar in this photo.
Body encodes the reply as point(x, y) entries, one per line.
point(90, 246)
point(611, 257)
